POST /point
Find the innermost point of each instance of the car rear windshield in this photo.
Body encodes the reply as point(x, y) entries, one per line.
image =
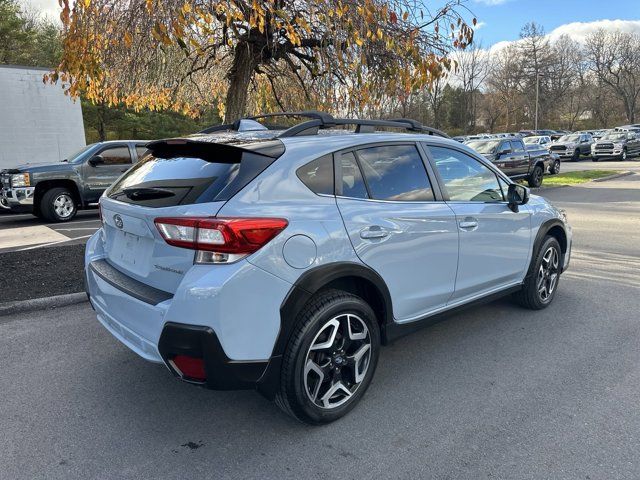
point(163, 182)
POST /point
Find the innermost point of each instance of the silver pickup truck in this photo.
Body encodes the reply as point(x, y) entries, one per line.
point(55, 191)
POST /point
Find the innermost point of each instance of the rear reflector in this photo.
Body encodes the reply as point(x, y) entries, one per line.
point(189, 367)
point(222, 235)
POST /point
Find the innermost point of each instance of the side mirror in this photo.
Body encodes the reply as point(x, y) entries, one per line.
point(96, 160)
point(517, 195)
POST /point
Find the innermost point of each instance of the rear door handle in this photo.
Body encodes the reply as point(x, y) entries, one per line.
point(375, 231)
point(468, 223)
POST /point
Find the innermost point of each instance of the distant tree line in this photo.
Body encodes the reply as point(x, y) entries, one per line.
point(594, 84)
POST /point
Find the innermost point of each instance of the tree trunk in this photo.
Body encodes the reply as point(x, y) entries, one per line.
point(239, 76)
point(102, 128)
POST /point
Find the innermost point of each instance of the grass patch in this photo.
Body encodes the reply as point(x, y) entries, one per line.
point(575, 178)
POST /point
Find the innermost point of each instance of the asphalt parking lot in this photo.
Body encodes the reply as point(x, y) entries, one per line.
point(495, 392)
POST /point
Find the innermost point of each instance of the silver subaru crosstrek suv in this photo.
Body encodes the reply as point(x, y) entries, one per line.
point(282, 259)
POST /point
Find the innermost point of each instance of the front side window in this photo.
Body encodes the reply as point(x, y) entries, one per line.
point(116, 156)
point(466, 179)
point(395, 173)
point(318, 175)
point(517, 146)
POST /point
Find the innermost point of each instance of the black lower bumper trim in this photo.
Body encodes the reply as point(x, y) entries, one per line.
point(202, 342)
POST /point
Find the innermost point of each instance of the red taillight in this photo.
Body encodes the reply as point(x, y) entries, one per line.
point(223, 235)
point(189, 367)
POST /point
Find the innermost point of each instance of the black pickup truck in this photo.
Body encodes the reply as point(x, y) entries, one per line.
point(55, 191)
point(511, 156)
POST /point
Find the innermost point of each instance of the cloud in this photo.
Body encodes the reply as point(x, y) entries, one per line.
point(479, 25)
point(579, 31)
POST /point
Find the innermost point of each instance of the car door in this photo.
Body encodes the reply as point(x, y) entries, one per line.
point(399, 225)
point(520, 157)
point(506, 159)
point(494, 241)
point(116, 159)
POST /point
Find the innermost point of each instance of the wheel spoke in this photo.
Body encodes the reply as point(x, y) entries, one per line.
point(309, 367)
point(335, 389)
point(357, 360)
point(355, 335)
point(333, 326)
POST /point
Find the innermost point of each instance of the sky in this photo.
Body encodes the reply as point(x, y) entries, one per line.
point(501, 20)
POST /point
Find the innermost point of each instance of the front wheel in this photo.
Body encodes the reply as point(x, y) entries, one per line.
point(535, 178)
point(58, 205)
point(576, 156)
point(330, 359)
point(623, 157)
point(541, 284)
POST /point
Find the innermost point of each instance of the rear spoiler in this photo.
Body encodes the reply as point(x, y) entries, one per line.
point(219, 152)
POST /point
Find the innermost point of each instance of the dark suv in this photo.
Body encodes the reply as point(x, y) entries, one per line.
point(55, 191)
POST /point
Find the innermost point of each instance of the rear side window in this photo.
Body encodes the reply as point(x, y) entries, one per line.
point(352, 184)
point(318, 175)
point(396, 173)
point(165, 182)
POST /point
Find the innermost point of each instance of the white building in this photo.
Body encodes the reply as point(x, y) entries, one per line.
point(38, 123)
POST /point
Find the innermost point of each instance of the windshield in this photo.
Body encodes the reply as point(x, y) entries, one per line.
point(531, 140)
point(484, 146)
point(569, 138)
point(614, 136)
point(76, 156)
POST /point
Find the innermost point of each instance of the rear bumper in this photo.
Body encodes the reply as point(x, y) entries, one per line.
point(205, 318)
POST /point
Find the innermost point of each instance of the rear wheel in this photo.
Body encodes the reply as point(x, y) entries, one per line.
point(58, 205)
point(623, 157)
point(330, 359)
point(535, 178)
point(555, 168)
point(540, 287)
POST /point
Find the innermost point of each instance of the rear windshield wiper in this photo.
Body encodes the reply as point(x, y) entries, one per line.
point(147, 193)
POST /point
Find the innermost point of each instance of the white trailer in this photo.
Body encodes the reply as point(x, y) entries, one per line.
point(38, 123)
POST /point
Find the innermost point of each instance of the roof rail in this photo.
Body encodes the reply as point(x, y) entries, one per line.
point(321, 120)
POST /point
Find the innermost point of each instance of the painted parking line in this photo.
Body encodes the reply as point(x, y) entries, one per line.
point(53, 243)
point(20, 237)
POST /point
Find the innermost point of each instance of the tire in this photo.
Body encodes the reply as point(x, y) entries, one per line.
point(576, 156)
point(58, 205)
point(624, 155)
point(535, 178)
point(555, 168)
point(531, 296)
point(346, 362)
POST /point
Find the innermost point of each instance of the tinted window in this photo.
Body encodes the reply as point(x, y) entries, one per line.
point(465, 178)
point(116, 156)
point(395, 172)
point(318, 175)
point(352, 183)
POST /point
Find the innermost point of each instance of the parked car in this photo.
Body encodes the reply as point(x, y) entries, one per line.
point(540, 140)
point(511, 156)
point(55, 191)
point(620, 145)
point(559, 133)
point(283, 260)
point(572, 146)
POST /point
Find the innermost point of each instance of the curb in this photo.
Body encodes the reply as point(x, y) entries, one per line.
point(611, 177)
point(21, 306)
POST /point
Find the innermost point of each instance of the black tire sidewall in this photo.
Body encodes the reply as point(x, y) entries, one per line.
point(302, 405)
point(538, 173)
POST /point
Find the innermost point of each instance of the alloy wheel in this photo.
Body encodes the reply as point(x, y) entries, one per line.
point(548, 272)
point(337, 361)
point(63, 205)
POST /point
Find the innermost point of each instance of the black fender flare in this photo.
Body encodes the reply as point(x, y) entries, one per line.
point(542, 233)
